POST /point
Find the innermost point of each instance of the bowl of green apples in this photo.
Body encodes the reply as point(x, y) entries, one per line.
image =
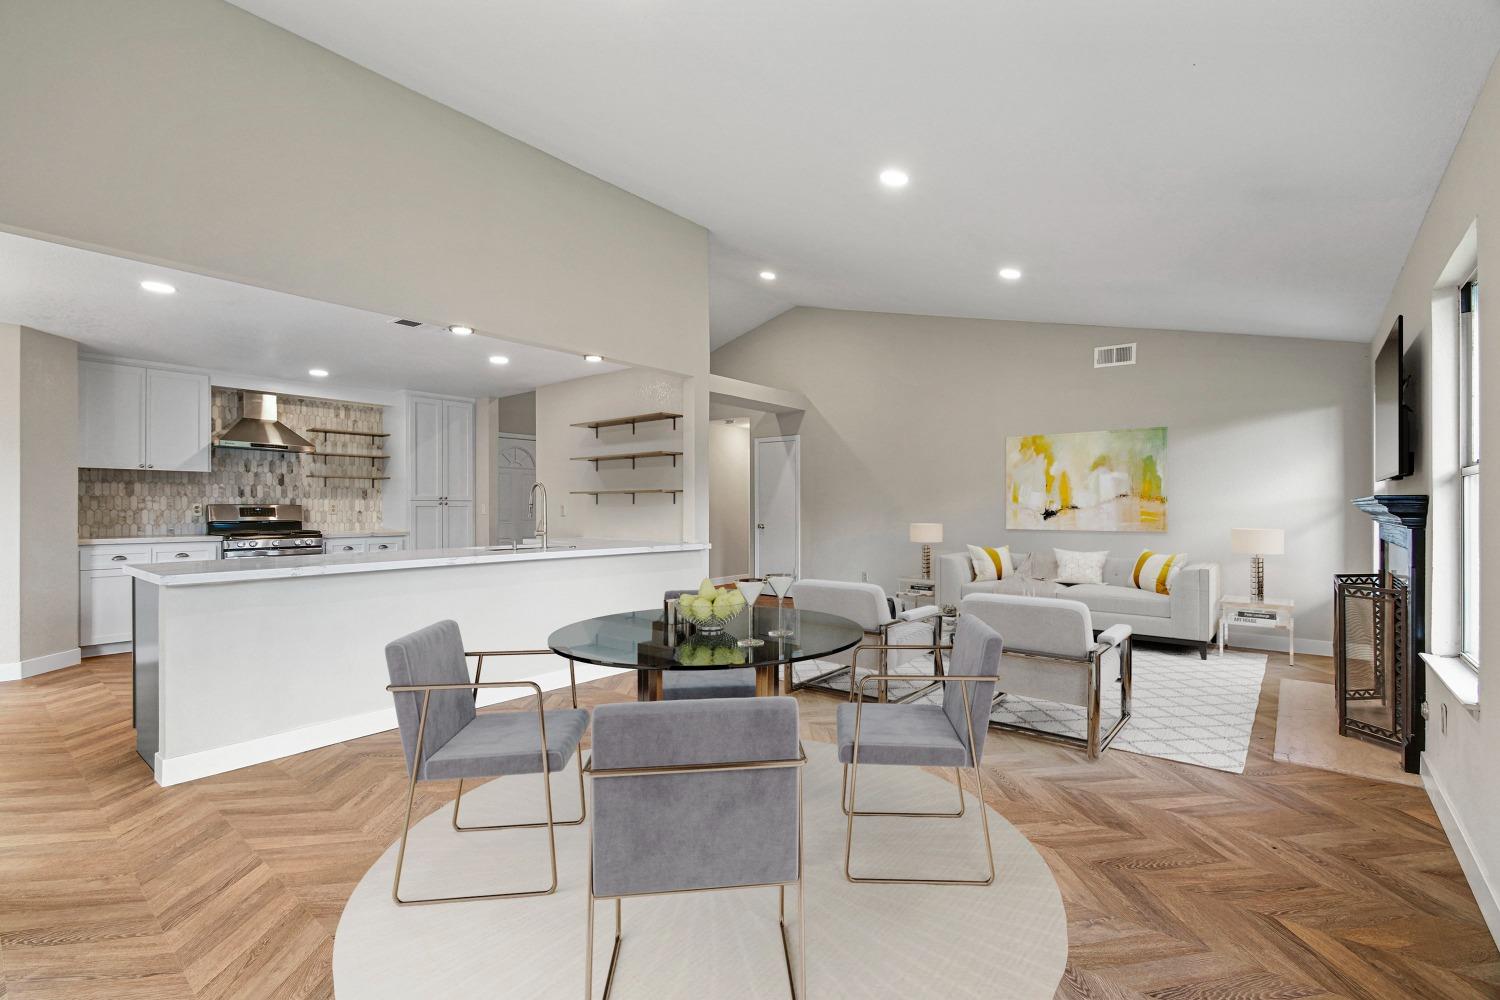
point(710, 608)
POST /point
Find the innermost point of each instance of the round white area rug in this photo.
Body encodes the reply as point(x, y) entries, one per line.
point(1006, 940)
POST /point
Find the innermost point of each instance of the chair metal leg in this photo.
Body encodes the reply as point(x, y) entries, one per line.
point(411, 793)
point(583, 809)
point(852, 770)
point(957, 778)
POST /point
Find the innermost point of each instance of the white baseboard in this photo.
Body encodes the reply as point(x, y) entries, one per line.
point(108, 648)
point(39, 664)
point(192, 766)
point(1486, 892)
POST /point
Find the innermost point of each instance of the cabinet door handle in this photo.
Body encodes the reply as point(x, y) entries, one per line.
point(150, 466)
point(382, 546)
point(118, 558)
point(141, 466)
point(181, 555)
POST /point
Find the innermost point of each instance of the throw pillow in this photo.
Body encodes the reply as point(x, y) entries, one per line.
point(1080, 567)
point(1155, 571)
point(991, 564)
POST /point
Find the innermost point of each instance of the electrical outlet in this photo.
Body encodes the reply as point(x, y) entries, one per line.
point(864, 577)
point(562, 510)
point(197, 510)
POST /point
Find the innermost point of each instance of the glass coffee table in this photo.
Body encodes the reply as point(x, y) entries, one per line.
point(644, 642)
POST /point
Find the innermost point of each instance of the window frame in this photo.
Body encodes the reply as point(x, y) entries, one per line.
point(1469, 332)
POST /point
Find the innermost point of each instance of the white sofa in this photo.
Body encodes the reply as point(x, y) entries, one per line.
point(1188, 616)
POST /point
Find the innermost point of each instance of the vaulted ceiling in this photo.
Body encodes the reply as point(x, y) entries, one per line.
point(1249, 167)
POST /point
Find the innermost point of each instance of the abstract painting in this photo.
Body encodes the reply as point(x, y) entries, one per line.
point(1087, 481)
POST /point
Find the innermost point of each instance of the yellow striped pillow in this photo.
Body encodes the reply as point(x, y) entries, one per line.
point(991, 564)
point(1155, 571)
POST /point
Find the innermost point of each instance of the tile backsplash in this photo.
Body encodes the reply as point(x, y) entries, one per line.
point(120, 503)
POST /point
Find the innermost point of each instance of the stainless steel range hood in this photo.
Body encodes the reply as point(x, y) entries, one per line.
point(259, 430)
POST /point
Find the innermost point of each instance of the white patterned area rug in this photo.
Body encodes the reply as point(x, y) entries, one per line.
point(1182, 708)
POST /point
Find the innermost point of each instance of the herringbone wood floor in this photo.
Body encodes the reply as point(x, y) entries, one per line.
point(1180, 883)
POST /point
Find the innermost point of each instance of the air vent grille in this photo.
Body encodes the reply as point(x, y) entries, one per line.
point(1114, 356)
point(407, 322)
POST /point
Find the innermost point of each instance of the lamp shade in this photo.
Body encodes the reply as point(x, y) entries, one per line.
point(926, 533)
point(1258, 541)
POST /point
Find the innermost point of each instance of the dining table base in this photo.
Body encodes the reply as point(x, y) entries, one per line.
point(768, 682)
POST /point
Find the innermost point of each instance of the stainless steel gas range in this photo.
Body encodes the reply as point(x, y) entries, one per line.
point(255, 530)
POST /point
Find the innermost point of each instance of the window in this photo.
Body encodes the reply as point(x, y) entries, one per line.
point(1468, 462)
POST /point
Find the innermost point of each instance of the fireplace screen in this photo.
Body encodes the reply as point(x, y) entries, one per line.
point(1372, 657)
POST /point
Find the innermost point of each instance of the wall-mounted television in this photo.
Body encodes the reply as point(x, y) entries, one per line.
point(1394, 458)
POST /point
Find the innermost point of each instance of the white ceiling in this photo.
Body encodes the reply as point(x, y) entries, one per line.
point(223, 326)
point(1251, 167)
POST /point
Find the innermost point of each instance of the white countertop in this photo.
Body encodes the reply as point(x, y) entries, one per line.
point(377, 533)
point(281, 567)
point(149, 540)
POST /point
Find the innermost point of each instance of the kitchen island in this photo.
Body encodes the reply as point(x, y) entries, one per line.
point(242, 661)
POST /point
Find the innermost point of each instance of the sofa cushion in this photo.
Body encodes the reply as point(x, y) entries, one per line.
point(1102, 598)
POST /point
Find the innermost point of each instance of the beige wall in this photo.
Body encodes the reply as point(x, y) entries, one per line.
point(909, 416)
point(517, 413)
point(38, 498)
point(1460, 762)
point(729, 499)
point(192, 133)
point(558, 442)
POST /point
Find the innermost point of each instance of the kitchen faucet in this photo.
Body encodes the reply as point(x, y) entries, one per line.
point(539, 513)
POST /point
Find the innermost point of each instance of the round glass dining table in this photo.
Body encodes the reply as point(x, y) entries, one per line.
point(644, 642)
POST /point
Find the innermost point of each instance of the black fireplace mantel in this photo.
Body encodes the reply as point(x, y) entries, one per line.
point(1409, 511)
point(1402, 519)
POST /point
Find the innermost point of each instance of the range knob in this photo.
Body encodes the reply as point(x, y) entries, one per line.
point(252, 543)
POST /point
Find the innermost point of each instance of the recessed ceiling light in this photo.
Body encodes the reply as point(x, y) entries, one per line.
point(768, 276)
point(499, 359)
point(460, 331)
point(159, 287)
point(317, 372)
point(592, 358)
point(1010, 273)
point(894, 177)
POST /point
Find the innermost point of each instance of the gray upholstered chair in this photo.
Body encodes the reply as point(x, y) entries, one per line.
point(691, 796)
point(723, 682)
point(445, 737)
point(1051, 654)
point(947, 734)
point(866, 604)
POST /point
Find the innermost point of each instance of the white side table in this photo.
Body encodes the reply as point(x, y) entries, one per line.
point(1272, 614)
point(915, 591)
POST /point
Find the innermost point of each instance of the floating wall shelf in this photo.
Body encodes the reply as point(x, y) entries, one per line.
point(339, 475)
point(596, 494)
point(630, 456)
point(347, 454)
point(639, 418)
point(362, 434)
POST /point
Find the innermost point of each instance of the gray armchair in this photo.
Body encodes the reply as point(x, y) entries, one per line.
point(693, 796)
point(445, 737)
point(950, 734)
point(722, 682)
point(908, 633)
point(1051, 654)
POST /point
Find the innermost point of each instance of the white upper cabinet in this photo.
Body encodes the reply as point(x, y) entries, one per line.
point(458, 450)
point(178, 421)
point(111, 416)
point(134, 417)
point(427, 448)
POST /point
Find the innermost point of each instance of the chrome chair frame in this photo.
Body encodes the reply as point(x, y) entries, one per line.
point(551, 823)
point(883, 634)
point(1092, 744)
point(573, 687)
point(851, 780)
point(796, 980)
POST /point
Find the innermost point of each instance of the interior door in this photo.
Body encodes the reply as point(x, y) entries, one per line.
point(515, 469)
point(111, 416)
point(427, 480)
point(458, 450)
point(177, 421)
point(778, 503)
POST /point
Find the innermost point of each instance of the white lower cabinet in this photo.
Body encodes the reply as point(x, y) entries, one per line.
point(103, 607)
point(372, 543)
point(104, 591)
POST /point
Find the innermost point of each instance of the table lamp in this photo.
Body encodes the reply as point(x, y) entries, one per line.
point(926, 534)
point(1257, 543)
